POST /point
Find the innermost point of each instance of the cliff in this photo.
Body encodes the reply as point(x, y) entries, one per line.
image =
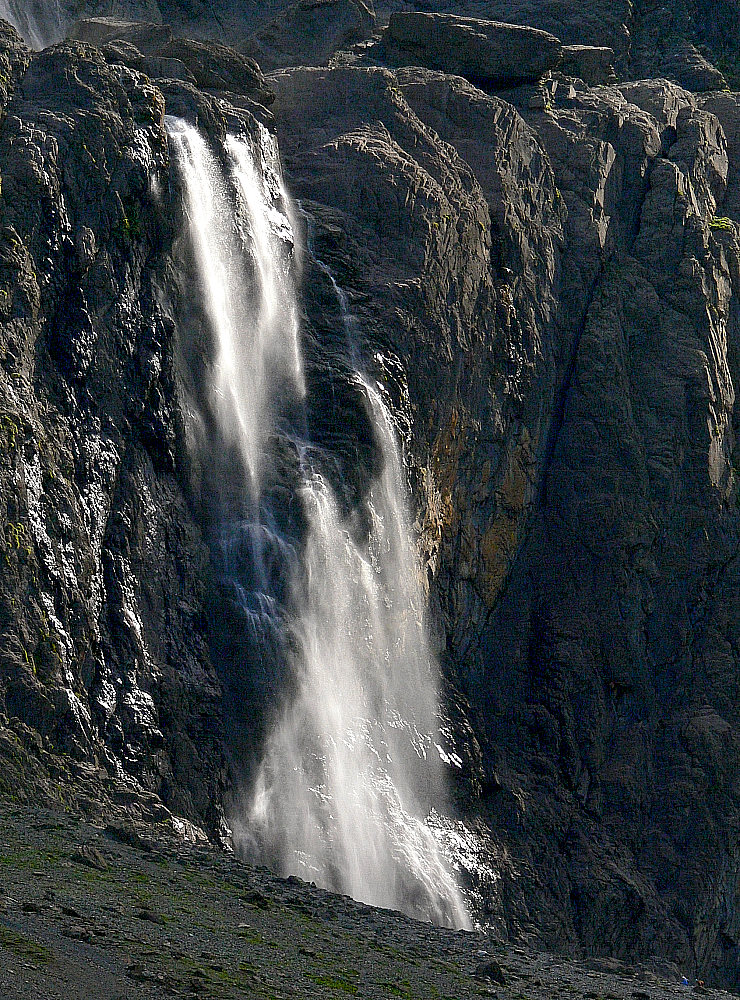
point(544, 270)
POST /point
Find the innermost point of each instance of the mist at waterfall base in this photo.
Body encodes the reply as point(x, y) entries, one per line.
point(40, 22)
point(324, 598)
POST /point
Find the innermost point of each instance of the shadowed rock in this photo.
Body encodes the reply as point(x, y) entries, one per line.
point(149, 38)
point(487, 51)
point(594, 64)
point(308, 33)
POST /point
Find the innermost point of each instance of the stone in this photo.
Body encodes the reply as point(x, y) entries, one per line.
point(147, 37)
point(594, 64)
point(217, 67)
point(688, 67)
point(491, 971)
point(308, 33)
point(488, 52)
point(92, 857)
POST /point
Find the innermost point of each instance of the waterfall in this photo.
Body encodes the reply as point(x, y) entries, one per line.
point(255, 328)
point(351, 768)
point(40, 22)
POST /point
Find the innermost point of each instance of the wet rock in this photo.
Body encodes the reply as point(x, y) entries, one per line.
point(489, 52)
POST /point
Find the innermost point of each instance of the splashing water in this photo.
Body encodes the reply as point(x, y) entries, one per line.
point(351, 767)
point(39, 22)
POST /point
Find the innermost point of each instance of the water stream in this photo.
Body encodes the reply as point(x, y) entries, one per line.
point(351, 767)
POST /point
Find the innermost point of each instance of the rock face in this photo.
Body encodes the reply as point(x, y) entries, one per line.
point(149, 38)
point(484, 51)
point(593, 64)
point(546, 284)
point(103, 646)
point(575, 479)
point(152, 48)
point(310, 32)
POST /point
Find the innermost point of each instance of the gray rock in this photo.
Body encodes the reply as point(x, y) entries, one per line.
point(217, 67)
point(489, 52)
point(687, 66)
point(148, 38)
point(592, 64)
point(726, 108)
point(308, 33)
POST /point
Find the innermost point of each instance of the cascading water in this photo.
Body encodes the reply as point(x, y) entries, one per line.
point(351, 765)
point(38, 21)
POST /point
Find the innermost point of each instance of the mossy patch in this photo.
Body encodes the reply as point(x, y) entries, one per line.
point(24, 947)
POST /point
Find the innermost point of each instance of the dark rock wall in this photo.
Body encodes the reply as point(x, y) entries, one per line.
point(546, 280)
point(102, 588)
point(567, 369)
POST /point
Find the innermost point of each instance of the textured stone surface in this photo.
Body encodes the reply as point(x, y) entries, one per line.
point(575, 479)
point(309, 32)
point(482, 50)
point(103, 650)
point(593, 64)
point(147, 37)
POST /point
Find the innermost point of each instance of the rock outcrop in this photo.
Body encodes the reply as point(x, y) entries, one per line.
point(575, 479)
point(594, 64)
point(487, 52)
point(104, 651)
point(310, 32)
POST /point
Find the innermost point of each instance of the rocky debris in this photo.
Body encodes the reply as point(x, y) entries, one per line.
point(593, 64)
point(213, 936)
point(487, 52)
point(308, 33)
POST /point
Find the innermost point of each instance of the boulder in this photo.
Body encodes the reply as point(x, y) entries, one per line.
point(148, 38)
point(158, 67)
point(309, 32)
point(487, 52)
point(594, 64)
point(217, 67)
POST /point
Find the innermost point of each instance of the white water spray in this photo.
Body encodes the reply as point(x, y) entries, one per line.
point(40, 22)
point(255, 324)
point(351, 768)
